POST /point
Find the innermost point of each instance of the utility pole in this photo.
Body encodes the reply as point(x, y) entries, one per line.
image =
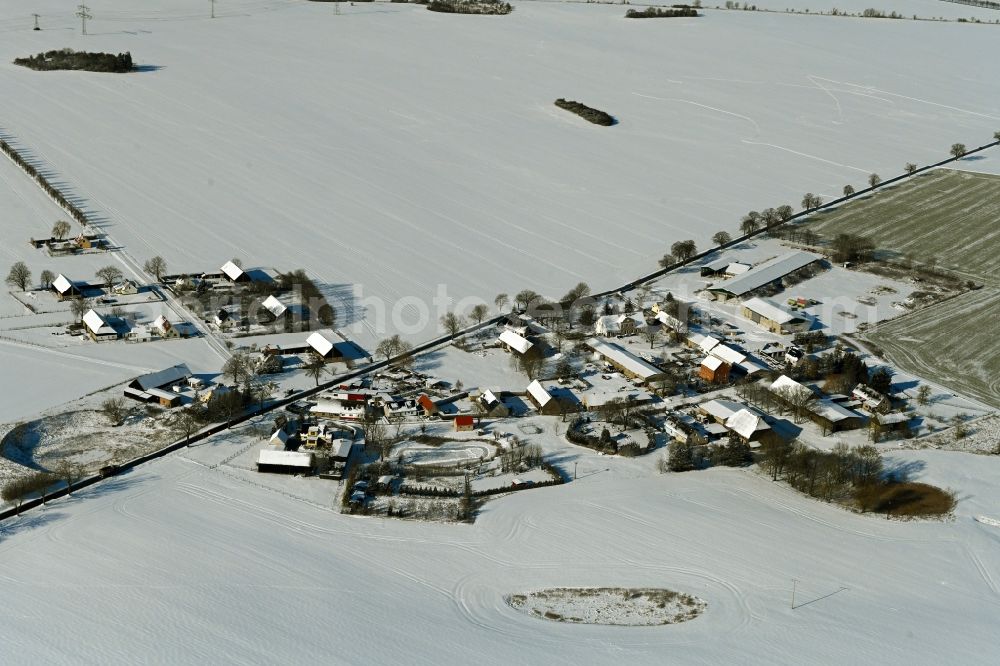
point(36, 21)
point(336, 8)
point(793, 593)
point(574, 470)
point(213, 7)
point(84, 13)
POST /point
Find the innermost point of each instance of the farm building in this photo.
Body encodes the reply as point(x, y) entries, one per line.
point(139, 334)
point(464, 423)
point(714, 370)
point(703, 342)
point(427, 405)
point(768, 314)
point(749, 425)
point(628, 363)
point(234, 273)
point(595, 400)
point(164, 328)
point(277, 460)
point(833, 417)
point(152, 387)
point(398, 410)
point(670, 322)
point(66, 288)
point(493, 405)
point(347, 405)
point(222, 319)
point(98, 328)
point(619, 325)
point(323, 346)
point(788, 389)
point(272, 309)
point(512, 341)
point(769, 273)
point(715, 267)
point(125, 288)
point(894, 420)
point(543, 401)
point(871, 399)
point(720, 409)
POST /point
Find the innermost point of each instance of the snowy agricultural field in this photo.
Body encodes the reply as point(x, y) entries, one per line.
point(182, 561)
point(953, 343)
point(393, 149)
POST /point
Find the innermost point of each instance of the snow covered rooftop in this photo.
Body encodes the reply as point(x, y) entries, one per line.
point(320, 343)
point(712, 362)
point(274, 306)
point(516, 342)
point(736, 268)
point(539, 393)
point(232, 271)
point(728, 354)
point(62, 284)
point(766, 273)
point(721, 408)
point(624, 358)
point(97, 324)
point(745, 423)
point(786, 383)
point(771, 310)
point(162, 378)
point(832, 411)
point(270, 456)
point(703, 342)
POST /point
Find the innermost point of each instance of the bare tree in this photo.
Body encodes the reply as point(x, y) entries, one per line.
point(750, 223)
point(374, 431)
point(996, 136)
point(525, 298)
point(60, 229)
point(651, 334)
point(531, 363)
point(189, 425)
point(810, 201)
point(109, 275)
point(874, 180)
point(238, 367)
point(501, 301)
point(389, 347)
point(786, 212)
point(684, 249)
point(452, 323)
point(114, 410)
point(479, 312)
point(910, 168)
point(770, 218)
point(923, 394)
point(958, 150)
point(68, 472)
point(721, 238)
point(848, 190)
point(156, 266)
point(667, 260)
point(316, 367)
point(46, 279)
point(79, 307)
point(19, 276)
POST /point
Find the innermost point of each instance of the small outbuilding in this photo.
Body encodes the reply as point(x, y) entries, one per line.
point(464, 422)
point(234, 273)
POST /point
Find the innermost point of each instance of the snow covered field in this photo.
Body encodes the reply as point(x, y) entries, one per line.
point(180, 563)
point(393, 150)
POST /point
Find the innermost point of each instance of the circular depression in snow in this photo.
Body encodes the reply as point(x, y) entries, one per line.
point(619, 606)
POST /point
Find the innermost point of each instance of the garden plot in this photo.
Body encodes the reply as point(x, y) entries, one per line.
point(447, 454)
point(620, 606)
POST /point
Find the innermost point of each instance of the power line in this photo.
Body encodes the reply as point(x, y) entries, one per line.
point(84, 13)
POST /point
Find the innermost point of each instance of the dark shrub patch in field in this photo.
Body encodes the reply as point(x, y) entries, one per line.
point(662, 12)
point(490, 7)
point(593, 115)
point(905, 499)
point(78, 60)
